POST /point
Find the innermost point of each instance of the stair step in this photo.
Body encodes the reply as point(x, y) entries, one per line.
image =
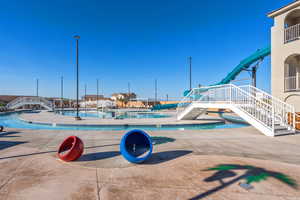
point(284, 132)
point(279, 127)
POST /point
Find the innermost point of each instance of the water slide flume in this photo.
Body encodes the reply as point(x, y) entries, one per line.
point(260, 54)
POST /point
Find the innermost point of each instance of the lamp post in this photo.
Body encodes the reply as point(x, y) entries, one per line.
point(62, 93)
point(129, 93)
point(155, 92)
point(37, 90)
point(85, 97)
point(97, 94)
point(190, 61)
point(37, 87)
point(77, 37)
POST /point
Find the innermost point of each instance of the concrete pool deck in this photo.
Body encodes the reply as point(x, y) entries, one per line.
point(50, 118)
point(30, 169)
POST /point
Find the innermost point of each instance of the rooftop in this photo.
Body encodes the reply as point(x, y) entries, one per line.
point(284, 9)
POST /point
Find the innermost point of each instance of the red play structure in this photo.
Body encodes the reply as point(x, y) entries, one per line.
point(70, 149)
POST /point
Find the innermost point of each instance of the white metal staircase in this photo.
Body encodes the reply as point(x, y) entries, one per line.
point(191, 112)
point(21, 101)
point(268, 114)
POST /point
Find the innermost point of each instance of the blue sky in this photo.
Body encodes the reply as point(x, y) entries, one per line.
point(134, 41)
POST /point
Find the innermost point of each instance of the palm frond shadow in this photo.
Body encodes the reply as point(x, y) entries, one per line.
point(251, 174)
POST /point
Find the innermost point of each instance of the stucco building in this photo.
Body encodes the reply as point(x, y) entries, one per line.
point(285, 53)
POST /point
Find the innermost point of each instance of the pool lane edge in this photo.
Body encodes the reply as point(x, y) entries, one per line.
point(216, 122)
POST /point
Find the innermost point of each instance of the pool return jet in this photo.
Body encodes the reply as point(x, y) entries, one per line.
point(136, 147)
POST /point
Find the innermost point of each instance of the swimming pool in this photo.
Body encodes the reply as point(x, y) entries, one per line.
point(12, 121)
point(120, 115)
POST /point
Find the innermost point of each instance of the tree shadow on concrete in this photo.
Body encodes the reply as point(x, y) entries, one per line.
point(251, 174)
point(98, 156)
point(156, 140)
point(7, 144)
point(165, 156)
point(9, 134)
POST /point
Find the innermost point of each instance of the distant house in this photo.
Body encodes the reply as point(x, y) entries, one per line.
point(92, 97)
point(123, 96)
point(122, 99)
point(93, 101)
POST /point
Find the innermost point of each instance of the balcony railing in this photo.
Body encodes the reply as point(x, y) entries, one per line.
point(292, 83)
point(291, 33)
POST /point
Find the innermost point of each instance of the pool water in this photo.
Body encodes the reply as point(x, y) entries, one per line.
point(109, 115)
point(12, 121)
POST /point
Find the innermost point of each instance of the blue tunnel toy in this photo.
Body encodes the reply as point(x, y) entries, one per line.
point(136, 146)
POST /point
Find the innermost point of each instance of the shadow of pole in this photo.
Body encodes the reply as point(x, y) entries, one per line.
point(209, 192)
point(165, 156)
point(45, 152)
point(7, 144)
point(98, 156)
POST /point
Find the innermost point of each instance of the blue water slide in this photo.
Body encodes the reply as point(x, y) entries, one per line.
point(260, 54)
point(245, 64)
point(164, 106)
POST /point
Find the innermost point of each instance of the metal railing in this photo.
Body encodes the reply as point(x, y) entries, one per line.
point(292, 83)
point(257, 104)
point(29, 100)
point(291, 33)
point(281, 108)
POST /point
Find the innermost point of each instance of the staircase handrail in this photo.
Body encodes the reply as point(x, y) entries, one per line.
point(274, 99)
point(265, 112)
point(279, 104)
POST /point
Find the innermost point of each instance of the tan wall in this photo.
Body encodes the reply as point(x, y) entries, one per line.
point(136, 104)
point(280, 52)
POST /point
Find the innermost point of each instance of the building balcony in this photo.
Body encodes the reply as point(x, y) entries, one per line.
point(292, 83)
point(292, 33)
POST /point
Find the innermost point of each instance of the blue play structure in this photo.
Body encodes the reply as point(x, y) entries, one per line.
point(136, 146)
point(243, 65)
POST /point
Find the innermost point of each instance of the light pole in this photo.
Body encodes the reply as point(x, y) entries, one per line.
point(190, 61)
point(129, 93)
point(77, 37)
point(37, 87)
point(62, 93)
point(155, 91)
point(37, 90)
point(85, 98)
point(97, 94)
